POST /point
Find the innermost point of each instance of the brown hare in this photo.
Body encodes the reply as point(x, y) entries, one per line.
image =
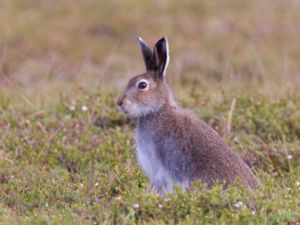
point(173, 146)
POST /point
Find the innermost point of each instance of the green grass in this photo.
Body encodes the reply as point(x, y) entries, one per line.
point(60, 164)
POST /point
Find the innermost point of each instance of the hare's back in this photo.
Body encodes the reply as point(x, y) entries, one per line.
point(191, 148)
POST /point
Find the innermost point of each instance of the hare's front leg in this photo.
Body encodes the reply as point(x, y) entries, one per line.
point(162, 182)
point(165, 185)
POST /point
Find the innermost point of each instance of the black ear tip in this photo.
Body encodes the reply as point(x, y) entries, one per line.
point(142, 43)
point(162, 41)
point(139, 39)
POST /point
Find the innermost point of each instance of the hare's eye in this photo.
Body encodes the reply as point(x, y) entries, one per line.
point(142, 85)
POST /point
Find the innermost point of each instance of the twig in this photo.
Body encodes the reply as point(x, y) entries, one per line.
point(229, 120)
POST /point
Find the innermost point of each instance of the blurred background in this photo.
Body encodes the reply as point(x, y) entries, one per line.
point(53, 47)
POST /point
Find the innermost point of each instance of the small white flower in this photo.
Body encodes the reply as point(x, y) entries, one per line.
point(297, 183)
point(239, 204)
point(160, 206)
point(236, 139)
point(253, 212)
point(167, 199)
point(68, 116)
point(46, 205)
point(72, 107)
point(136, 206)
point(289, 157)
point(288, 189)
point(84, 108)
point(97, 184)
point(81, 185)
point(118, 198)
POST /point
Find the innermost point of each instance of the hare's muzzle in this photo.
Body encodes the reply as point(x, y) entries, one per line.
point(121, 103)
point(120, 100)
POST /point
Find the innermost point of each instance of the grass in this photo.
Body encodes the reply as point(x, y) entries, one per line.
point(64, 166)
point(66, 154)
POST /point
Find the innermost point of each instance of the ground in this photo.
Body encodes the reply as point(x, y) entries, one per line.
point(67, 155)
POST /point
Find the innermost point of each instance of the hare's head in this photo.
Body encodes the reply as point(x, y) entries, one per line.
point(148, 92)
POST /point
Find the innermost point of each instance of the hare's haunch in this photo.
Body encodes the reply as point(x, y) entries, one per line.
point(173, 145)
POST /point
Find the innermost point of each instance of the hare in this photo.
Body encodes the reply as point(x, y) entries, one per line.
point(173, 146)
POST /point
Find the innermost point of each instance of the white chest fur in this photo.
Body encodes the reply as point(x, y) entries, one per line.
point(151, 164)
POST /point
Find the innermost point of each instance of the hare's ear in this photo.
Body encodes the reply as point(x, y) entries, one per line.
point(147, 55)
point(161, 56)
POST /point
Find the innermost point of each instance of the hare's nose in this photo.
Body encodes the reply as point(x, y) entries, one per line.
point(120, 101)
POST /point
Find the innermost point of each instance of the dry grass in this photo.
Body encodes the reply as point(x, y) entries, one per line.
point(51, 47)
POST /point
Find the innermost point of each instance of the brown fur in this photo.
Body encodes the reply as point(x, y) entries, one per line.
point(202, 152)
point(173, 145)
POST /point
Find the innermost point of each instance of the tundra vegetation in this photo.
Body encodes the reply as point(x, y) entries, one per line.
point(67, 155)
